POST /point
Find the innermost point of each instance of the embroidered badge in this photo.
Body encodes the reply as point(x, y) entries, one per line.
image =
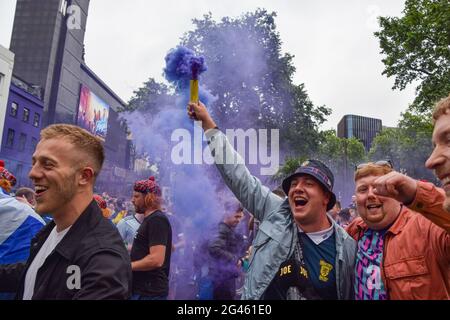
point(325, 269)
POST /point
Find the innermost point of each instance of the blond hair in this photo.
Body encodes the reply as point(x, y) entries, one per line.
point(372, 169)
point(80, 139)
point(442, 107)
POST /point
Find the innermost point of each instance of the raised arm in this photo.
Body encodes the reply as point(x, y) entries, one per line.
point(254, 196)
point(422, 197)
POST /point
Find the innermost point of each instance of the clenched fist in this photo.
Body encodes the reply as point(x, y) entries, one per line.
point(396, 185)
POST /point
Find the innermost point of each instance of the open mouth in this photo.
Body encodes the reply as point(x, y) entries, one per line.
point(445, 182)
point(374, 206)
point(40, 190)
point(300, 201)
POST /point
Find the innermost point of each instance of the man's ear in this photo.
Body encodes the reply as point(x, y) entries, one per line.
point(327, 198)
point(87, 175)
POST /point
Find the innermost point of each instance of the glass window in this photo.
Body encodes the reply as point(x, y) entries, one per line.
point(10, 138)
point(18, 172)
point(14, 109)
point(36, 119)
point(26, 114)
point(22, 141)
point(33, 143)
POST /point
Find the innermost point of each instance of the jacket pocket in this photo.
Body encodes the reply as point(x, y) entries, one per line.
point(409, 279)
point(407, 268)
point(260, 240)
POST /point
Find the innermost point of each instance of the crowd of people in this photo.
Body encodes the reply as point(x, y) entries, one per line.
point(63, 241)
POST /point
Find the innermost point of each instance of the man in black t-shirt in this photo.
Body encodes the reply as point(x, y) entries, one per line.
point(150, 253)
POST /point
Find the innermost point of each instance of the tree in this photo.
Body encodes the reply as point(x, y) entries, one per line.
point(289, 167)
point(341, 155)
point(408, 146)
point(340, 152)
point(150, 97)
point(417, 49)
point(252, 79)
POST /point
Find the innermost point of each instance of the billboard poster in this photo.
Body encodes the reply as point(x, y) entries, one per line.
point(93, 113)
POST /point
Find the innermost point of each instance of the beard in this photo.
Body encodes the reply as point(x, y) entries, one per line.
point(67, 190)
point(139, 210)
point(59, 194)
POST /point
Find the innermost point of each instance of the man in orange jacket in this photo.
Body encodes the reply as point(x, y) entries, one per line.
point(402, 254)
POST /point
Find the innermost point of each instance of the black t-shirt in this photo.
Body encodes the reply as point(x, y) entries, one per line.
point(154, 230)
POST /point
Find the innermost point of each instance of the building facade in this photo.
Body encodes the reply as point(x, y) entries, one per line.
point(6, 70)
point(363, 128)
point(22, 125)
point(48, 43)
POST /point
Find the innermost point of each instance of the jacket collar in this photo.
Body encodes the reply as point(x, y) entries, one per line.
point(401, 221)
point(340, 236)
point(85, 222)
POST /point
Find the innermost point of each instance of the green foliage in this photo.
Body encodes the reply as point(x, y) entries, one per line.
point(251, 79)
point(339, 154)
point(290, 165)
point(408, 146)
point(150, 97)
point(417, 49)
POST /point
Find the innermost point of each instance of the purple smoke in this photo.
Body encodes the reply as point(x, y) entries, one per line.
point(197, 191)
point(183, 65)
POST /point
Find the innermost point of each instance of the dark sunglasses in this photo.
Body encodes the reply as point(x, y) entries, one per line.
point(385, 163)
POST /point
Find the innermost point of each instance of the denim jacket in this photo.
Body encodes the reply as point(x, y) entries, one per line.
point(274, 242)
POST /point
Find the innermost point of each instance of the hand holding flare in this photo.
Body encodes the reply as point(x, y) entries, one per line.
point(198, 112)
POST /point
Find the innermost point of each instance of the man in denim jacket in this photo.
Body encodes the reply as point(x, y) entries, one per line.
point(299, 251)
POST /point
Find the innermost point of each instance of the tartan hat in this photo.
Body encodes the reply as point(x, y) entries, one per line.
point(100, 201)
point(319, 171)
point(147, 186)
point(5, 174)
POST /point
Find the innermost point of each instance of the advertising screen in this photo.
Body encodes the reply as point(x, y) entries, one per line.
point(93, 113)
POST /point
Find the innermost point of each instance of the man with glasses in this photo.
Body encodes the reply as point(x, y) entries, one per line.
point(401, 254)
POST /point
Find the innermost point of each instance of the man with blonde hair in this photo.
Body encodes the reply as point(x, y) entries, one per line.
point(401, 254)
point(79, 255)
point(421, 242)
point(432, 203)
point(439, 160)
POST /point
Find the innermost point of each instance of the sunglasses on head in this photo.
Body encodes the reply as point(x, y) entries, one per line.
point(385, 163)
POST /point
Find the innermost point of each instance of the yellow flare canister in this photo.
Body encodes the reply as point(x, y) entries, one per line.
point(194, 91)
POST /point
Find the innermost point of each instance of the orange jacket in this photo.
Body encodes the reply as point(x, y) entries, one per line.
point(428, 202)
point(416, 255)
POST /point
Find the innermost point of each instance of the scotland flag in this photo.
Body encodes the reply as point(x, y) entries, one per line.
point(18, 225)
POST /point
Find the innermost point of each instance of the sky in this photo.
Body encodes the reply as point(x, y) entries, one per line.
point(337, 56)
